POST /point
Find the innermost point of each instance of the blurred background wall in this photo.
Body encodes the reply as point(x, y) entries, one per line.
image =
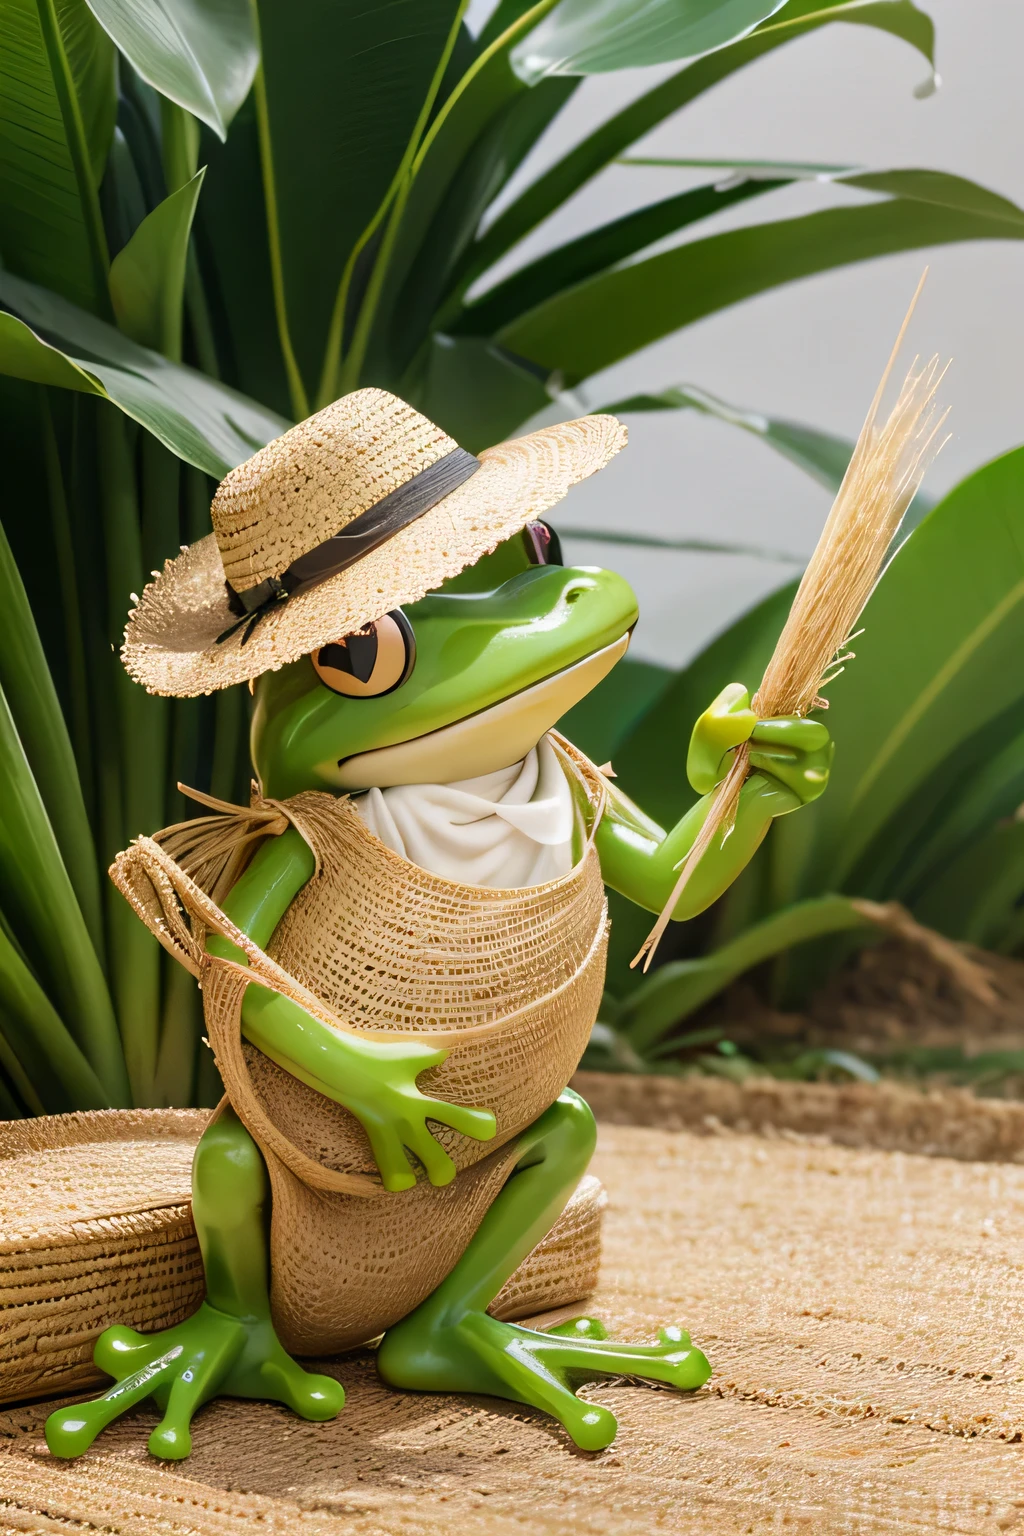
point(813, 351)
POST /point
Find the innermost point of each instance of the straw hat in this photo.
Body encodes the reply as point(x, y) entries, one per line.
point(363, 507)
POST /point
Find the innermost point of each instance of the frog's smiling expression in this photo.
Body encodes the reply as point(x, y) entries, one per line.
point(500, 653)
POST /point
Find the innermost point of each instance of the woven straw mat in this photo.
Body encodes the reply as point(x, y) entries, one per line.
point(95, 1228)
point(863, 1311)
point(509, 981)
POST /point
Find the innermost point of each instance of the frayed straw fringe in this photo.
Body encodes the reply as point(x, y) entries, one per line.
point(885, 470)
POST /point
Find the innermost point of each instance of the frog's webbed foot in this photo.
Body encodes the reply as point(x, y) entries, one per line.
point(183, 1367)
point(478, 1353)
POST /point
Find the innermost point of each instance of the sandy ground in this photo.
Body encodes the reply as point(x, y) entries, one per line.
point(862, 1309)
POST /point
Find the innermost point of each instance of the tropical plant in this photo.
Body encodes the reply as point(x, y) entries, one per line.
point(924, 805)
point(217, 217)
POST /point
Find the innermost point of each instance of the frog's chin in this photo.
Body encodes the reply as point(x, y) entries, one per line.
point(483, 742)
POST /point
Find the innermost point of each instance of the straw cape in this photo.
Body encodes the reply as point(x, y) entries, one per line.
point(363, 507)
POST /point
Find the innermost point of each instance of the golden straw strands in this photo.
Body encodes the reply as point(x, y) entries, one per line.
point(887, 466)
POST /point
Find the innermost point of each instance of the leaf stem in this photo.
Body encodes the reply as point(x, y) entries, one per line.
point(179, 144)
point(296, 387)
point(143, 724)
point(74, 127)
point(335, 332)
point(353, 363)
point(70, 606)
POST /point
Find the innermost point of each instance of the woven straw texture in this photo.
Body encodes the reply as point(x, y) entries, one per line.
point(309, 483)
point(508, 981)
point(95, 1226)
point(863, 1311)
point(266, 517)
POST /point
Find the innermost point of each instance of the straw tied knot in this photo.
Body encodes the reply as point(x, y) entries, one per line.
point(364, 533)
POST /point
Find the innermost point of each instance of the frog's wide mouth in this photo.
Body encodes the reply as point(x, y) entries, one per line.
point(492, 738)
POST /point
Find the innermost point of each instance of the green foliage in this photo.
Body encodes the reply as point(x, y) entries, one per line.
point(198, 54)
point(147, 276)
point(588, 37)
point(216, 215)
point(922, 806)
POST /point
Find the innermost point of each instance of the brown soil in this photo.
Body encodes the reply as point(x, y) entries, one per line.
point(889, 997)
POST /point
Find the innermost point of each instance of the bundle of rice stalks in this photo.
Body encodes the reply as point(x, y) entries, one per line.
point(888, 464)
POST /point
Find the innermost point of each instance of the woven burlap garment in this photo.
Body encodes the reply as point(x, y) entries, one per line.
point(508, 981)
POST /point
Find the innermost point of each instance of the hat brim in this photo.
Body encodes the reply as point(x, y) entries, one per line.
point(170, 643)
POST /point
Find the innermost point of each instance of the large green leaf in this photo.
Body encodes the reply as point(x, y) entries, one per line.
point(475, 391)
point(589, 37)
point(234, 259)
point(50, 341)
point(41, 906)
point(601, 721)
point(929, 672)
point(978, 781)
point(978, 895)
point(465, 169)
point(601, 321)
point(993, 792)
point(147, 277)
point(820, 454)
point(339, 94)
point(678, 988)
point(26, 681)
point(651, 762)
point(57, 108)
point(900, 18)
point(201, 54)
point(600, 249)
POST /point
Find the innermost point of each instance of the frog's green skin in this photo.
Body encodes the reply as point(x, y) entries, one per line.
point(484, 637)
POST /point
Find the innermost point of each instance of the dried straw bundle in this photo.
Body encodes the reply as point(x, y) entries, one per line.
point(888, 464)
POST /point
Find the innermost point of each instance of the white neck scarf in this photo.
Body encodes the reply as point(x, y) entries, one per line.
point(510, 828)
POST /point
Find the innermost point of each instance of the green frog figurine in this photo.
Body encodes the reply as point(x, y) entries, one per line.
point(426, 899)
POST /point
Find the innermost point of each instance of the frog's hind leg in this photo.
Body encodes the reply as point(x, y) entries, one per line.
point(450, 1343)
point(229, 1346)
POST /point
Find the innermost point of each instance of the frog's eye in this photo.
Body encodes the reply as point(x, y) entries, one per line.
point(543, 546)
point(373, 661)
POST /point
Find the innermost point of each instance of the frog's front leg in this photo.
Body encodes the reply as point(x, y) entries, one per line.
point(789, 758)
point(227, 1348)
point(451, 1343)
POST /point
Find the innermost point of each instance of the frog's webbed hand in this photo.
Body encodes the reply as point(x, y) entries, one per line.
point(375, 1081)
point(724, 725)
point(795, 752)
point(789, 758)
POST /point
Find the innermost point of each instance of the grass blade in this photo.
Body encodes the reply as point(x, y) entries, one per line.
point(32, 699)
point(49, 920)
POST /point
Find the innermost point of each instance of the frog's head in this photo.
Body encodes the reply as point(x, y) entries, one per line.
point(463, 682)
